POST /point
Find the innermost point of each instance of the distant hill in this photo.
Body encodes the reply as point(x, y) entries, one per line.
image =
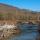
point(7, 11)
point(11, 12)
point(4, 8)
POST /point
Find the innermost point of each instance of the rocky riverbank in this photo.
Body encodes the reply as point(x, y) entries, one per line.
point(7, 30)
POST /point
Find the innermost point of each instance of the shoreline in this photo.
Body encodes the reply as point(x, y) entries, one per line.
point(8, 30)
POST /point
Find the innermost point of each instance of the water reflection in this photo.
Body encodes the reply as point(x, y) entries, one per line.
point(29, 32)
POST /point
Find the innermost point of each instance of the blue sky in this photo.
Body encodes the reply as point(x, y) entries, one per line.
point(24, 4)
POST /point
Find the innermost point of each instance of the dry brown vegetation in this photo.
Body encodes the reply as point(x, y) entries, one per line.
point(11, 14)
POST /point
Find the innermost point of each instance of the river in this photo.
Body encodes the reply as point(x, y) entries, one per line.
point(29, 32)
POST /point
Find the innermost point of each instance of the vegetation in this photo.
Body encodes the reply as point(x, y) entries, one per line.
point(10, 13)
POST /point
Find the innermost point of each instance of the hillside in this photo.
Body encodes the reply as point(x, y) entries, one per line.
point(7, 11)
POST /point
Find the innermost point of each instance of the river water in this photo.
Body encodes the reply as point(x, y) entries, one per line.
point(29, 32)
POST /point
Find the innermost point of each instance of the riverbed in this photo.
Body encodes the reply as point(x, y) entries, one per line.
point(29, 32)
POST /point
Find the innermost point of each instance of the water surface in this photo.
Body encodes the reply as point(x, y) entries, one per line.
point(29, 32)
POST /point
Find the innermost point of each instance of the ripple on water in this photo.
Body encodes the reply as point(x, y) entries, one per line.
point(24, 36)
